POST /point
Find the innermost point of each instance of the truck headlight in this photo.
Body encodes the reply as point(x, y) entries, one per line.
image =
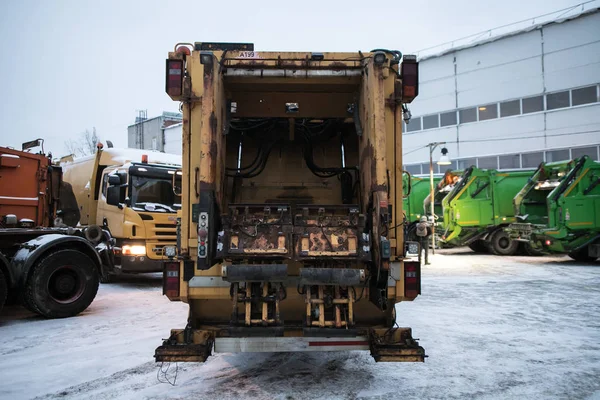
point(170, 251)
point(133, 250)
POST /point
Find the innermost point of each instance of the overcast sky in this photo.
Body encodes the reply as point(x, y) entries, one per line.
point(72, 65)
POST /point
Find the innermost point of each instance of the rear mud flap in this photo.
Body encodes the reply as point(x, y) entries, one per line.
point(182, 352)
point(395, 345)
point(185, 345)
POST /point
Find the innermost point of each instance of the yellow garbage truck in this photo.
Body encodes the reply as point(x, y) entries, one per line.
point(131, 193)
point(291, 235)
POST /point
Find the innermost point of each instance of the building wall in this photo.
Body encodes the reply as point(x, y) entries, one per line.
point(173, 139)
point(153, 136)
point(536, 91)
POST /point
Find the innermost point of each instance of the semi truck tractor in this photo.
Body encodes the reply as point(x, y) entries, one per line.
point(558, 209)
point(479, 209)
point(52, 268)
point(132, 193)
point(291, 234)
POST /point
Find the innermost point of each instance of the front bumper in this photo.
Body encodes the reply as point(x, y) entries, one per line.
point(138, 264)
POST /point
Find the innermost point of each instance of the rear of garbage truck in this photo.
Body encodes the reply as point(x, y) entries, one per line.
point(291, 237)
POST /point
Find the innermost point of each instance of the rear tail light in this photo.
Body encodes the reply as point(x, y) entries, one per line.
point(412, 279)
point(409, 72)
point(171, 280)
point(174, 81)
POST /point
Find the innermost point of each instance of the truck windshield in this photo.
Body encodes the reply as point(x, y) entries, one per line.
point(153, 194)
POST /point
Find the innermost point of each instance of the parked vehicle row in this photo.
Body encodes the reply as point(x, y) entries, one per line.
point(553, 209)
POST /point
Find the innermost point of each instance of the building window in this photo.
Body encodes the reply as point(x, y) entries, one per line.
point(488, 111)
point(443, 168)
point(468, 115)
point(509, 108)
point(448, 118)
point(488, 162)
point(533, 104)
point(413, 169)
point(431, 121)
point(584, 95)
point(592, 152)
point(557, 100)
point(510, 161)
point(557, 155)
point(532, 160)
point(414, 125)
point(466, 163)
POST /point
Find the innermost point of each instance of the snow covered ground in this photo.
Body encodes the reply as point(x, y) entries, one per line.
point(493, 327)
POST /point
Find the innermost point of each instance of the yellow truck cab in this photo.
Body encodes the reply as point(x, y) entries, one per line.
point(130, 192)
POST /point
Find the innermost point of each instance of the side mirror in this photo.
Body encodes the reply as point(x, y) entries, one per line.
point(114, 180)
point(113, 195)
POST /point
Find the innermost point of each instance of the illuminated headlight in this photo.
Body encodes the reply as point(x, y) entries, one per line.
point(412, 248)
point(170, 251)
point(133, 250)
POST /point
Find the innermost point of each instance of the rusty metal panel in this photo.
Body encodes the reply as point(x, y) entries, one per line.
point(256, 230)
point(322, 231)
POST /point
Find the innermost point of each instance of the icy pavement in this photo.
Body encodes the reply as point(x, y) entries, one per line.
point(493, 327)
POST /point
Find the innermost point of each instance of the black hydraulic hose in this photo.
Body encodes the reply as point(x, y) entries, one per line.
point(569, 178)
point(457, 188)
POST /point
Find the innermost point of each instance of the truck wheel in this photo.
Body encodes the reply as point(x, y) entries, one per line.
point(502, 245)
point(582, 256)
point(61, 285)
point(3, 290)
point(479, 246)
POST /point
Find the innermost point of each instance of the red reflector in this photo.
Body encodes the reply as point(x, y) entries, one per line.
point(174, 79)
point(412, 284)
point(171, 280)
point(409, 91)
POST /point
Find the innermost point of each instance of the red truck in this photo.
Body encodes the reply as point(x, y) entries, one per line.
point(49, 265)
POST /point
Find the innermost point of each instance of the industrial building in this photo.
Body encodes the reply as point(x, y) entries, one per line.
point(512, 100)
point(149, 134)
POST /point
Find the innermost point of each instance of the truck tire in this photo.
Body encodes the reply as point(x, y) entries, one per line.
point(479, 246)
point(3, 290)
point(502, 245)
point(582, 255)
point(62, 284)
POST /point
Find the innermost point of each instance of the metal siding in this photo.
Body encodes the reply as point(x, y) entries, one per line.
point(569, 122)
point(501, 52)
point(572, 33)
point(435, 96)
point(573, 67)
point(515, 127)
point(502, 82)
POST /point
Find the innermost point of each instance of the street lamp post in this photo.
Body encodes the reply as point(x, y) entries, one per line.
point(444, 160)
